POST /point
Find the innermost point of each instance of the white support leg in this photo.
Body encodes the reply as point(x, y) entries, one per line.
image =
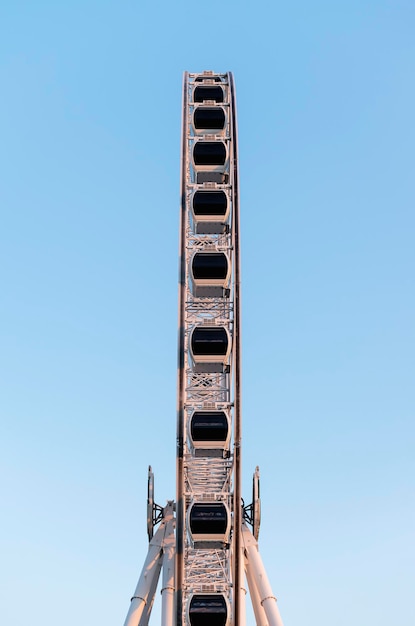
point(260, 580)
point(145, 585)
point(260, 617)
point(242, 596)
point(167, 591)
point(145, 617)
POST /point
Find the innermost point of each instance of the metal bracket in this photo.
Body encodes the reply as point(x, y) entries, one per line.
point(252, 512)
point(155, 512)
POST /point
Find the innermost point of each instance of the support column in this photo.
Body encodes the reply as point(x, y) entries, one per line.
point(167, 591)
point(242, 595)
point(260, 617)
point(256, 572)
point(147, 582)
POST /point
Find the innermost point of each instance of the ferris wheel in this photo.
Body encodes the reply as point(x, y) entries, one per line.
point(203, 543)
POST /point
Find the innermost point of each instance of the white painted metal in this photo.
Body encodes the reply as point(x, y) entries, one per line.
point(167, 591)
point(242, 598)
point(150, 571)
point(208, 562)
point(258, 578)
point(145, 618)
point(260, 616)
point(161, 552)
point(205, 479)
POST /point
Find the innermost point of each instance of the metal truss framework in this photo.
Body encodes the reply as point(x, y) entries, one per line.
point(203, 569)
point(205, 479)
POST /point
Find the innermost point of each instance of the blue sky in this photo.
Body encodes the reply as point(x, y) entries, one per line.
point(90, 119)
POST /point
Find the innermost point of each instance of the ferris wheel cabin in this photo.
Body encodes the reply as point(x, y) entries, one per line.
point(210, 348)
point(209, 433)
point(209, 524)
point(208, 610)
point(210, 273)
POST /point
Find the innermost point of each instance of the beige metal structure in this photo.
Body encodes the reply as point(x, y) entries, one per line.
point(207, 541)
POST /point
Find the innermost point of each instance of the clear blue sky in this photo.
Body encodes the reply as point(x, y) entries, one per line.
point(90, 116)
